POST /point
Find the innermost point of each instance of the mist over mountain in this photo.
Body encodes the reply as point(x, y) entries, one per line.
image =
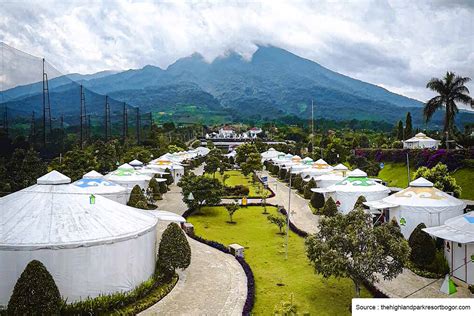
point(273, 83)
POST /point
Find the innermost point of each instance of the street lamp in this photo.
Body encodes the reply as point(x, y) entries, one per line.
point(288, 216)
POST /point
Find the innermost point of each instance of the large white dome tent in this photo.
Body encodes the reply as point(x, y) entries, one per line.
point(421, 202)
point(318, 168)
point(347, 191)
point(90, 245)
point(128, 177)
point(458, 233)
point(94, 183)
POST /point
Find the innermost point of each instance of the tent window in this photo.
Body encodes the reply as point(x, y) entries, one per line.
point(459, 245)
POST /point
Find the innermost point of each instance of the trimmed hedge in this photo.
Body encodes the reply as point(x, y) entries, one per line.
point(423, 247)
point(35, 292)
point(174, 251)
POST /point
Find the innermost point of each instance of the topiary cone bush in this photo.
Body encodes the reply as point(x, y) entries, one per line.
point(282, 174)
point(174, 251)
point(423, 247)
point(137, 198)
point(296, 182)
point(307, 189)
point(317, 201)
point(163, 187)
point(330, 207)
point(168, 177)
point(35, 292)
point(360, 202)
point(155, 187)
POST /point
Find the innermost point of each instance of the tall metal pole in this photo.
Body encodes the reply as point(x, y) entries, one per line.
point(124, 122)
point(106, 119)
point(82, 122)
point(44, 109)
point(288, 217)
point(408, 170)
point(312, 128)
point(138, 125)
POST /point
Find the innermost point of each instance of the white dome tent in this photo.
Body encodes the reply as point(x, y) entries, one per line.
point(270, 154)
point(346, 192)
point(128, 177)
point(318, 168)
point(91, 245)
point(421, 202)
point(94, 183)
point(163, 163)
point(420, 141)
point(135, 163)
point(458, 233)
point(326, 180)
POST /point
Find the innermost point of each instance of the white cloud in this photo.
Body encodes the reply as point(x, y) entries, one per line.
point(397, 44)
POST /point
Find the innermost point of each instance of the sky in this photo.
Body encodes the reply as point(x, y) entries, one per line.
point(398, 44)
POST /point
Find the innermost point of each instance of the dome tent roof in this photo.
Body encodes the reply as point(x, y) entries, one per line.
point(53, 177)
point(92, 175)
point(357, 173)
point(340, 167)
point(422, 193)
point(135, 162)
point(52, 215)
point(458, 229)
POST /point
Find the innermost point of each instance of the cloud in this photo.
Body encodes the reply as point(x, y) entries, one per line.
point(397, 44)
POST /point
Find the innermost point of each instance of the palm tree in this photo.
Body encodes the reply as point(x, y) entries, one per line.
point(450, 89)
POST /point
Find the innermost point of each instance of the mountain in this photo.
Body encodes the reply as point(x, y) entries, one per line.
point(273, 83)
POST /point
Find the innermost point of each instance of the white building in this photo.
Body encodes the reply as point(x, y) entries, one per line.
point(346, 192)
point(420, 141)
point(420, 203)
point(226, 132)
point(128, 177)
point(91, 245)
point(94, 183)
point(254, 131)
point(458, 233)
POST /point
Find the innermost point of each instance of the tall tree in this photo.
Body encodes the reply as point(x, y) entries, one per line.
point(204, 190)
point(349, 246)
point(408, 126)
point(450, 89)
point(400, 130)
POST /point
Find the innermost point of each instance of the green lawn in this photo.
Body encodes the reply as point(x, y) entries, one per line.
point(237, 178)
point(276, 278)
point(396, 175)
point(464, 178)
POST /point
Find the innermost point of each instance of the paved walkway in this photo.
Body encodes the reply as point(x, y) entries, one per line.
point(213, 284)
point(301, 215)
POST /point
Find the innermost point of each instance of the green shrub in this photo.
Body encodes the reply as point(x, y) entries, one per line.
point(174, 251)
point(282, 174)
point(439, 265)
point(471, 288)
point(307, 189)
point(330, 207)
point(317, 201)
point(163, 187)
point(360, 203)
point(238, 190)
point(423, 247)
point(137, 198)
point(296, 182)
point(168, 177)
point(154, 186)
point(35, 292)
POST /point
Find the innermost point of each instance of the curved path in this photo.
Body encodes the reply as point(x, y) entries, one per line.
point(300, 214)
point(213, 284)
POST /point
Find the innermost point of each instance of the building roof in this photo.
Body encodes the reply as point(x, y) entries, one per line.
point(53, 216)
point(458, 229)
point(92, 175)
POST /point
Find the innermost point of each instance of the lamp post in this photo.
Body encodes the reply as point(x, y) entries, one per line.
point(288, 216)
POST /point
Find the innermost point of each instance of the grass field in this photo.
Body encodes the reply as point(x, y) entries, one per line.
point(396, 175)
point(236, 177)
point(276, 278)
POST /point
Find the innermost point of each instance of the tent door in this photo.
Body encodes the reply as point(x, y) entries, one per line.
point(459, 261)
